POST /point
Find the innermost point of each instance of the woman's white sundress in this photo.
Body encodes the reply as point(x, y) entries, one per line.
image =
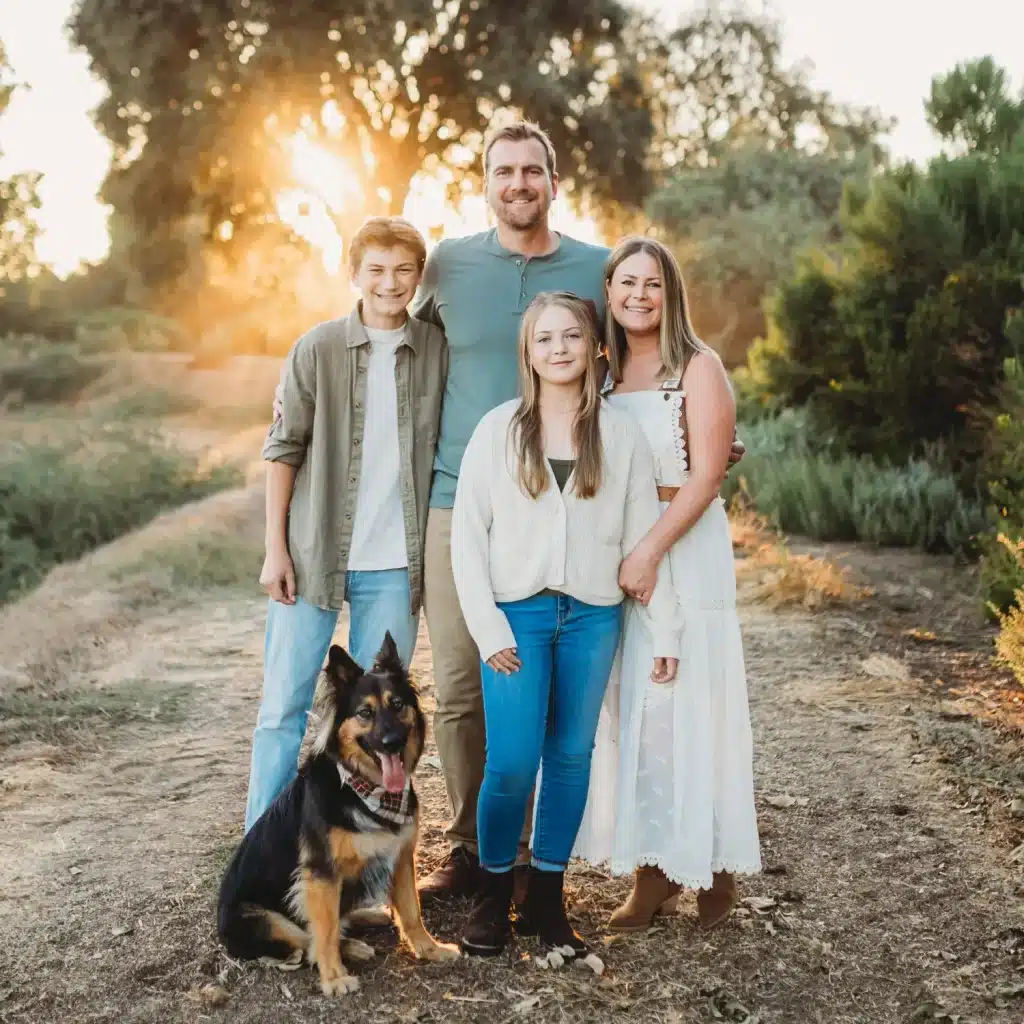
point(672, 776)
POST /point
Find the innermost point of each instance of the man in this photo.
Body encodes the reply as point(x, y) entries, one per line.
point(476, 288)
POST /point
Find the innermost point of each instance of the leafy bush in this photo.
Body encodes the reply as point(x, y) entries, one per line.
point(1010, 642)
point(804, 482)
point(118, 328)
point(900, 341)
point(60, 500)
point(1001, 573)
point(33, 369)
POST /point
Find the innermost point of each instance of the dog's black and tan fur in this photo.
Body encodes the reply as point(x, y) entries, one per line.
point(319, 855)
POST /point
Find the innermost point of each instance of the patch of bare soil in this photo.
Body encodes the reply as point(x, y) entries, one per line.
point(890, 894)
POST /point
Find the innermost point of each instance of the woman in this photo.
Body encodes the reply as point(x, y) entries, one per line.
point(672, 796)
point(553, 490)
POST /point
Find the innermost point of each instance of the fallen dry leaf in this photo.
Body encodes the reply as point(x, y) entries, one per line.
point(209, 995)
point(594, 962)
point(527, 1004)
point(784, 800)
point(882, 666)
point(122, 929)
point(759, 904)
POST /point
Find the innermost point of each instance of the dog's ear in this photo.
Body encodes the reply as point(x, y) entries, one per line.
point(387, 659)
point(342, 670)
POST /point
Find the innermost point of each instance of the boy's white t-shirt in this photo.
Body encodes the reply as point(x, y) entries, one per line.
point(378, 533)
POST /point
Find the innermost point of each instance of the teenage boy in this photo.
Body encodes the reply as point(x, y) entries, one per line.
point(348, 482)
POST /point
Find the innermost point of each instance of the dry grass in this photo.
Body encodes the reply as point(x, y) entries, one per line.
point(780, 578)
point(60, 629)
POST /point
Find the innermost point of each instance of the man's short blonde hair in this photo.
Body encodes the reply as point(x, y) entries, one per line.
point(520, 131)
point(386, 233)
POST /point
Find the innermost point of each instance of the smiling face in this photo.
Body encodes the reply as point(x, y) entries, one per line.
point(520, 188)
point(387, 280)
point(378, 727)
point(558, 349)
point(635, 294)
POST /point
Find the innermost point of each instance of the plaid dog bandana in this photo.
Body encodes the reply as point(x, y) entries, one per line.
point(393, 807)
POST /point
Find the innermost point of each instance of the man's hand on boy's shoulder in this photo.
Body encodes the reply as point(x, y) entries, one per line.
point(278, 576)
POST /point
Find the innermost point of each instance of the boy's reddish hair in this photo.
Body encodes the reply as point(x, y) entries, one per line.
point(386, 233)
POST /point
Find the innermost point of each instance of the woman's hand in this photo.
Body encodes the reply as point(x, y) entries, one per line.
point(278, 402)
point(638, 574)
point(664, 670)
point(278, 576)
point(506, 662)
point(736, 452)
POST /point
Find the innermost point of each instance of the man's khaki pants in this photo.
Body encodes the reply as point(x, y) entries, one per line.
point(459, 719)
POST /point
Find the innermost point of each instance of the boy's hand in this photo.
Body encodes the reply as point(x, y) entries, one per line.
point(278, 577)
point(279, 403)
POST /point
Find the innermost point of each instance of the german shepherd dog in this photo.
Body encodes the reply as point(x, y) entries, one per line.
point(342, 837)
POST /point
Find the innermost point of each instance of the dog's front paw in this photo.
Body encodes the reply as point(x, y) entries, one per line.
point(434, 951)
point(340, 983)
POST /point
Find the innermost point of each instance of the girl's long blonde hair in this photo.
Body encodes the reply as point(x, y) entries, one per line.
point(678, 341)
point(526, 429)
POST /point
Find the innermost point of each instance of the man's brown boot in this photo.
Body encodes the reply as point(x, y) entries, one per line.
point(652, 894)
point(457, 876)
point(714, 905)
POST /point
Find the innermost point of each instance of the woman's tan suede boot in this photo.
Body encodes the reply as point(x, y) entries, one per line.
point(714, 905)
point(652, 894)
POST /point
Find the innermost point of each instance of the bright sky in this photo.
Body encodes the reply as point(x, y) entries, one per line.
point(878, 52)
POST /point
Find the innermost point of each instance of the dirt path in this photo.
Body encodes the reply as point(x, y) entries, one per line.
point(889, 894)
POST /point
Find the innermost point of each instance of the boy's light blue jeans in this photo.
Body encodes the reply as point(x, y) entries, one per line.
point(297, 639)
point(545, 715)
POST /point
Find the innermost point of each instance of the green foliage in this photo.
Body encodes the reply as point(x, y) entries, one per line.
point(1010, 641)
point(742, 221)
point(33, 369)
point(19, 199)
point(900, 341)
point(59, 500)
point(215, 89)
point(972, 109)
point(721, 83)
point(805, 483)
point(1001, 572)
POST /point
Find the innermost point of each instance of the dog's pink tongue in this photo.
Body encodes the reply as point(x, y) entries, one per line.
point(393, 771)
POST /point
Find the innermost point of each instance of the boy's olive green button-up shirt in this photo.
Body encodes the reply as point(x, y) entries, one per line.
point(320, 432)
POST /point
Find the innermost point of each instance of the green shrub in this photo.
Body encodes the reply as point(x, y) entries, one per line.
point(1001, 572)
point(118, 328)
point(900, 341)
point(34, 369)
point(1010, 641)
point(61, 500)
point(805, 483)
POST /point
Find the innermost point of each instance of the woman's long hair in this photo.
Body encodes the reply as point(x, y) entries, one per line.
point(678, 341)
point(526, 430)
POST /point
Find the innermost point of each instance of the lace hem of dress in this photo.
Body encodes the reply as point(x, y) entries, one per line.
point(653, 860)
point(678, 436)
